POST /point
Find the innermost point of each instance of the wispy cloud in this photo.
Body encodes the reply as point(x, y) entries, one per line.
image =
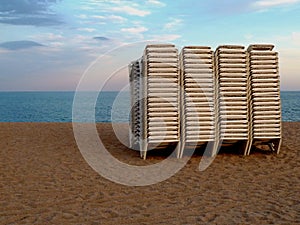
point(110, 18)
point(101, 38)
point(173, 24)
point(98, 17)
point(26, 7)
point(52, 41)
point(116, 19)
point(135, 30)
point(48, 37)
point(87, 29)
point(131, 11)
point(156, 3)
point(18, 45)
point(30, 12)
point(271, 3)
point(57, 44)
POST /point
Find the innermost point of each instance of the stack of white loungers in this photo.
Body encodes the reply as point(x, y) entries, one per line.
point(222, 98)
point(160, 92)
point(266, 107)
point(197, 98)
point(232, 96)
point(135, 115)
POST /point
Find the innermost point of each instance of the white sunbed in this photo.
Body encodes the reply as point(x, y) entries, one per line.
point(266, 108)
point(232, 91)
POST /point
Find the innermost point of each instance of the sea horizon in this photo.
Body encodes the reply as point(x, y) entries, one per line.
point(56, 106)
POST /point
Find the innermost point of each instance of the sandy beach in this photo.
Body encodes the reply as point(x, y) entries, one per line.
point(45, 180)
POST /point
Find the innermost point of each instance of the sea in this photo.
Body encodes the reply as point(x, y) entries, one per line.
point(105, 107)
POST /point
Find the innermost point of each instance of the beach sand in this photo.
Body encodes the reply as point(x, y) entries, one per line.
point(45, 180)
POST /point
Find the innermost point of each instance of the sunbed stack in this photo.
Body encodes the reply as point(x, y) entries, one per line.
point(160, 94)
point(135, 119)
point(266, 107)
point(232, 96)
point(197, 97)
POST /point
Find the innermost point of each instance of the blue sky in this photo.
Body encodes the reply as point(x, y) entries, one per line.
point(48, 44)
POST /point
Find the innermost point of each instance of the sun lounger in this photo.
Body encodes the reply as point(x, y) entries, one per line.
point(265, 103)
point(232, 96)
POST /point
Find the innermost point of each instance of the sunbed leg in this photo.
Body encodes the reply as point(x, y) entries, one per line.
point(211, 149)
point(178, 149)
point(145, 155)
point(246, 148)
point(271, 145)
point(279, 146)
point(130, 139)
point(141, 153)
point(182, 146)
point(143, 149)
point(215, 148)
point(249, 147)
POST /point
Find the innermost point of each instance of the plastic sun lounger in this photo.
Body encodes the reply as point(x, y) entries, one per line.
point(134, 73)
point(232, 91)
point(159, 94)
point(227, 96)
point(266, 106)
point(197, 78)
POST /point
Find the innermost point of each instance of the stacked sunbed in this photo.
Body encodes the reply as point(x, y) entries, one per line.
point(160, 93)
point(135, 119)
point(266, 107)
point(198, 100)
point(222, 98)
point(232, 96)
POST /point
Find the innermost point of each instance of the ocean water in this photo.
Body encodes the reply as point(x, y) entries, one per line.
point(57, 107)
point(290, 102)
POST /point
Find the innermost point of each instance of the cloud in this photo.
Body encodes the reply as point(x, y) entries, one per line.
point(131, 11)
point(28, 12)
point(156, 3)
point(237, 6)
point(230, 7)
point(57, 44)
point(271, 3)
point(101, 38)
point(135, 30)
point(110, 18)
point(173, 24)
point(40, 20)
point(18, 45)
point(26, 6)
point(53, 41)
point(98, 17)
point(48, 37)
point(117, 19)
point(87, 29)
point(53, 36)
